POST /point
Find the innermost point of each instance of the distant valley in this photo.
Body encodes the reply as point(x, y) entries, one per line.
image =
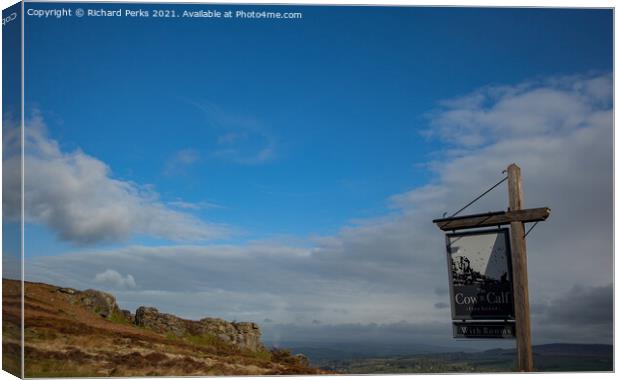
point(369, 359)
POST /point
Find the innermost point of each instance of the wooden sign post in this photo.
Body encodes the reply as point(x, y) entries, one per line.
point(519, 269)
point(516, 216)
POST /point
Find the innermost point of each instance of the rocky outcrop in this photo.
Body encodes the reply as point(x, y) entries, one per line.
point(152, 319)
point(101, 303)
point(242, 334)
point(245, 335)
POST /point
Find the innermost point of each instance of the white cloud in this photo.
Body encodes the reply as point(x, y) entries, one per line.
point(112, 278)
point(76, 196)
point(393, 268)
point(533, 109)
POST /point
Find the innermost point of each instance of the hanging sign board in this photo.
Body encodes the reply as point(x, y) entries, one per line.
point(480, 272)
point(483, 330)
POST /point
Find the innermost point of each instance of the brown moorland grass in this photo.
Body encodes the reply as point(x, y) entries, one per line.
point(64, 339)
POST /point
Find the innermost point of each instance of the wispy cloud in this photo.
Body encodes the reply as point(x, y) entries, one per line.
point(235, 153)
point(181, 160)
point(242, 140)
point(76, 196)
point(195, 206)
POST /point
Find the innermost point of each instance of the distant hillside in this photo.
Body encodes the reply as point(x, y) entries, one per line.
point(574, 349)
point(547, 358)
point(84, 333)
point(563, 349)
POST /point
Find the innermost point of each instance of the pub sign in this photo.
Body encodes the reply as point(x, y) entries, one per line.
point(480, 273)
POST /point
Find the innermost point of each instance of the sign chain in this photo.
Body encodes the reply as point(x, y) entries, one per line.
point(478, 197)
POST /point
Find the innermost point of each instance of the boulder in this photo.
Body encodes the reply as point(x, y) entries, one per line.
point(247, 335)
point(67, 290)
point(101, 303)
point(152, 319)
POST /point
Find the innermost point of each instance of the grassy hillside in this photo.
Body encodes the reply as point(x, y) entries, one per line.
point(67, 339)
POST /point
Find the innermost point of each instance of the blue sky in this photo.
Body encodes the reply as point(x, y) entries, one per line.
point(323, 146)
point(339, 98)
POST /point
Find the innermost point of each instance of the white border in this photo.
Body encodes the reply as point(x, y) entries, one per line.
point(460, 3)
